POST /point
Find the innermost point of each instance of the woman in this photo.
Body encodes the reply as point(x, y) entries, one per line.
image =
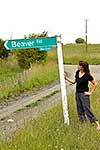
point(82, 78)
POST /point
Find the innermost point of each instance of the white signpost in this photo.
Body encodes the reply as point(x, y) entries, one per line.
point(62, 81)
point(45, 44)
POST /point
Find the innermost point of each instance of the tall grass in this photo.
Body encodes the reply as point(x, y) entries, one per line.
point(37, 76)
point(48, 132)
point(8, 67)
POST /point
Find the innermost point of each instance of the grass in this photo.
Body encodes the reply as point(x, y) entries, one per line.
point(39, 75)
point(73, 53)
point(8, 68)
point(48, 132)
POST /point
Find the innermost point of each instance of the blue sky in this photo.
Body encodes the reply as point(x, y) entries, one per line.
point(65, 17)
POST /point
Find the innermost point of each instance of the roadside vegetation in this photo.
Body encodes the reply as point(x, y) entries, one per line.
point(48, 132)
point(14, 80)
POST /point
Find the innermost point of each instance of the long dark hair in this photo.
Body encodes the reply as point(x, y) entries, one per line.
point(85, 66)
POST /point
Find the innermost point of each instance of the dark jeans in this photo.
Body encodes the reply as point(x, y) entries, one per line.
point(83, 107)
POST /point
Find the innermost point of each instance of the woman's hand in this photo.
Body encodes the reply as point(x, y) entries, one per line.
point(65, 75)
point(87, 93)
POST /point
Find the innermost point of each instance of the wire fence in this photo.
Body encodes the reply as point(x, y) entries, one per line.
point(13, 84)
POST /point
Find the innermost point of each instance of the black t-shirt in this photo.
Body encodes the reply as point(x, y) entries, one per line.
point(82, 83)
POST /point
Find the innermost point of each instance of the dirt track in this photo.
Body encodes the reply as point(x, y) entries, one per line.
point(45, 98)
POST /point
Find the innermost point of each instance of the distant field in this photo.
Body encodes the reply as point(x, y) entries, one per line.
point(72, 53)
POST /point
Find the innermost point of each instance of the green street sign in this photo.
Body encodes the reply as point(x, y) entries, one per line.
point(31, 43)
point(45, 48)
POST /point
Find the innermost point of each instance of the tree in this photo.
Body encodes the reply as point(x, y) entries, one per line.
point(26, 57)
point(3, 51)
point(79, 41)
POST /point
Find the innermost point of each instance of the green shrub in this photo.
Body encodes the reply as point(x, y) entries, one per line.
point(3, 51)
point(80, 40)
point(26, 57)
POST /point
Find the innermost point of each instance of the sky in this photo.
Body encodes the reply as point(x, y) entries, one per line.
point(65, 17)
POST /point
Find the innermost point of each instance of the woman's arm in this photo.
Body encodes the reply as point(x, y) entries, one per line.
point(94, 85)
point(69, 80)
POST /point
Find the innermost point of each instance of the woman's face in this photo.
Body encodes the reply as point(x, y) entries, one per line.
point(80, 68)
